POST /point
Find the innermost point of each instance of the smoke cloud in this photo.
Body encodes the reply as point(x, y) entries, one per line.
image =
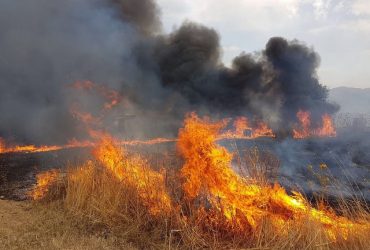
point(47, 45)
point(143, 14)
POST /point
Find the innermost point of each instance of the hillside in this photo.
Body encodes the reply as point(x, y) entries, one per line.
point(351, 100)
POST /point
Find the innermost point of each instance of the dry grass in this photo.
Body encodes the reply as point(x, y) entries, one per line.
point(120, 197)
point(26, 225)
point(92, 195)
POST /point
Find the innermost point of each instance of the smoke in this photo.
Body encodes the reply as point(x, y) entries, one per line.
point(48, 45)
point(273, 84)
point(143, 14)
point(295, 65)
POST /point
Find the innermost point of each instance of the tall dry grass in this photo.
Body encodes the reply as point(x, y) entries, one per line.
point(93, 194)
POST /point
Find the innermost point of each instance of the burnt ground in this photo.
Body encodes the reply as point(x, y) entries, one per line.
point(18, 170)
point(16, 174)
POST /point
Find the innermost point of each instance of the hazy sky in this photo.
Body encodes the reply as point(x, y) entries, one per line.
point(339, 30)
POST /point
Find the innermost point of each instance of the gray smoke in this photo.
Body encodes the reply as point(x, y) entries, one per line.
point(47, 45)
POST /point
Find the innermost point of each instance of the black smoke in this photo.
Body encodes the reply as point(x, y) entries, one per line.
point(273, 84)
point(47, 45)
point(143, 14)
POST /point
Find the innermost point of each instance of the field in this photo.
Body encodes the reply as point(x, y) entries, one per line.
point(122, 198)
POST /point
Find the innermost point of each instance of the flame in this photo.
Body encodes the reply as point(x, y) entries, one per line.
point(207, 173)
point(44, 182)
point(262, 130)
point(27, 149)
point(147, 142)
point(328, 128)
point(84, 117)
point(113, 97)
point(304, 118)
point(305, 129)
point(2, 146)
point(219, 195)
point(43, 148)
point(135, 172)
point(242, 130)
point(241, 124)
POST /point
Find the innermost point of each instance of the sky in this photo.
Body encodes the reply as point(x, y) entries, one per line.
point(339, 30)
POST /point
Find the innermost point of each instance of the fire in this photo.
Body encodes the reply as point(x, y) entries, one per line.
point(304, 118)
point(243, 130)
point(44, 182)
point(305, 129)
point(85, 118)
point(147, 142)
point(328, 128)
point(2, 146)
point(113, 97)
point(241, 124)
point(207, 174)
point(220, 197)
point(28, 149)
point(262, 130)
point(135, 172)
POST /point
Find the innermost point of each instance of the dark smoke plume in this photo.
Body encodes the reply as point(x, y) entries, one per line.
point(47, 45)
point(143, 14)
point(295, 66)
point(273, 84)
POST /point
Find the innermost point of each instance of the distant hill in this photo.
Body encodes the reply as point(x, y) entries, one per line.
point(351, 100)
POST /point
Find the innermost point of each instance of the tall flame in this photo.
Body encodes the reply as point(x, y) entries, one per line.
point(328, 128)
point(305, 130)
point(218, 194)
point(44, 182)
point(2, 146)
point(135, 172)
point(208, 174)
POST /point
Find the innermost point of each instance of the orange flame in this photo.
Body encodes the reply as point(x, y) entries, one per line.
point(304, 118)
point(44, 181)
point(328, 128)
point(207, 173)
point(135, 172)
point(305, 130)
point(43, 148)
point(208, 176)
point(242, 130)
point(113, 97)
point(2, 146)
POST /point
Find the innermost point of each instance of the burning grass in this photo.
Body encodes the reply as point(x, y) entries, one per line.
point(204, 204)
point(326, 130)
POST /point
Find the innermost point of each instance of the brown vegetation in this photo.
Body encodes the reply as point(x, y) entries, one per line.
point(205, 204)
point(26, 225)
